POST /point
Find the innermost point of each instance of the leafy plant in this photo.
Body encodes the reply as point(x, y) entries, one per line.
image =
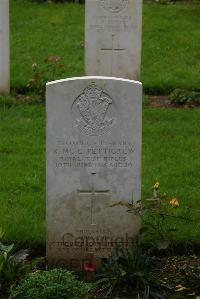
point(56, 283)
point(184, 97)
point(128, 272)
point(12, 265)
point(155, 213)
point(51, 70)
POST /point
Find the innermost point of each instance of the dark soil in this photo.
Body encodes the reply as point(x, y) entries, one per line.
point(162, 102)
point(180, 274)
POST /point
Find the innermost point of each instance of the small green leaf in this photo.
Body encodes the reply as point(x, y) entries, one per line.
point(162, 244)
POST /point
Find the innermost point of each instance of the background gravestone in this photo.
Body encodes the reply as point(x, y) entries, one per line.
point(93, 162)
point(113, 38)
point(4, 47)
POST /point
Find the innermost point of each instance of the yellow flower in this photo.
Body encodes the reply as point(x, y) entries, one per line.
point(180, 288)
point(174, 202)
point(156, 185)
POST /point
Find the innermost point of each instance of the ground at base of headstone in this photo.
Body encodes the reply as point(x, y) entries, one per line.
point(180, 275)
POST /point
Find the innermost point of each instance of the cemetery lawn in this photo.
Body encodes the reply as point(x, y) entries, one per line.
point(170, 155)
point(171, 38)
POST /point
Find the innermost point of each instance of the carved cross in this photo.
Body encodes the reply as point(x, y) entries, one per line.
point(113, 50)
point(92, 192)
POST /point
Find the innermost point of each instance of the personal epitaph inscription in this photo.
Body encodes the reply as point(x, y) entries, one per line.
point(93, 162)
point(113, 38)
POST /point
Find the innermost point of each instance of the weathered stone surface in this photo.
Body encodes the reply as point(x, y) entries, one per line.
point(93, 162)
point(4, 47)
point(113, 38)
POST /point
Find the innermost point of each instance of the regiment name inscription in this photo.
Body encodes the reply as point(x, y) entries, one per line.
point(93, 154)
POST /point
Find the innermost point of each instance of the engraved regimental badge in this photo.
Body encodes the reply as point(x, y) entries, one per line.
point(113, 5)
point(93, 111)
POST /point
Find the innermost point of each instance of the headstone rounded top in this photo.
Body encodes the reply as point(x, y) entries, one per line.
point(113, 5)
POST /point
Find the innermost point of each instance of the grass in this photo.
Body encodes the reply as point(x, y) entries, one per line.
point(22, 179)
point(45, 30)
point(171, 57)
point(171, 38)
point(170, 154)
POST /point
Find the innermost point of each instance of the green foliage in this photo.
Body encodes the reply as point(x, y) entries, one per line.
point(52, 284)
point(160, 218)
point(49, 71)
point(7, 101)
point(184, 97)
point(12, 265)
point(155, 213)
point(128, 272)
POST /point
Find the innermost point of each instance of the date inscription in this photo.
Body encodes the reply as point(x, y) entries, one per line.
point(80, 154)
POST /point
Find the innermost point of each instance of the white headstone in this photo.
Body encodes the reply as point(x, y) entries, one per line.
point(113, 38)
point(4, 48)
point(93, 164)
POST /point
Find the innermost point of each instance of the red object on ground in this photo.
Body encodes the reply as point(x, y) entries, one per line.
point(89, 267)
